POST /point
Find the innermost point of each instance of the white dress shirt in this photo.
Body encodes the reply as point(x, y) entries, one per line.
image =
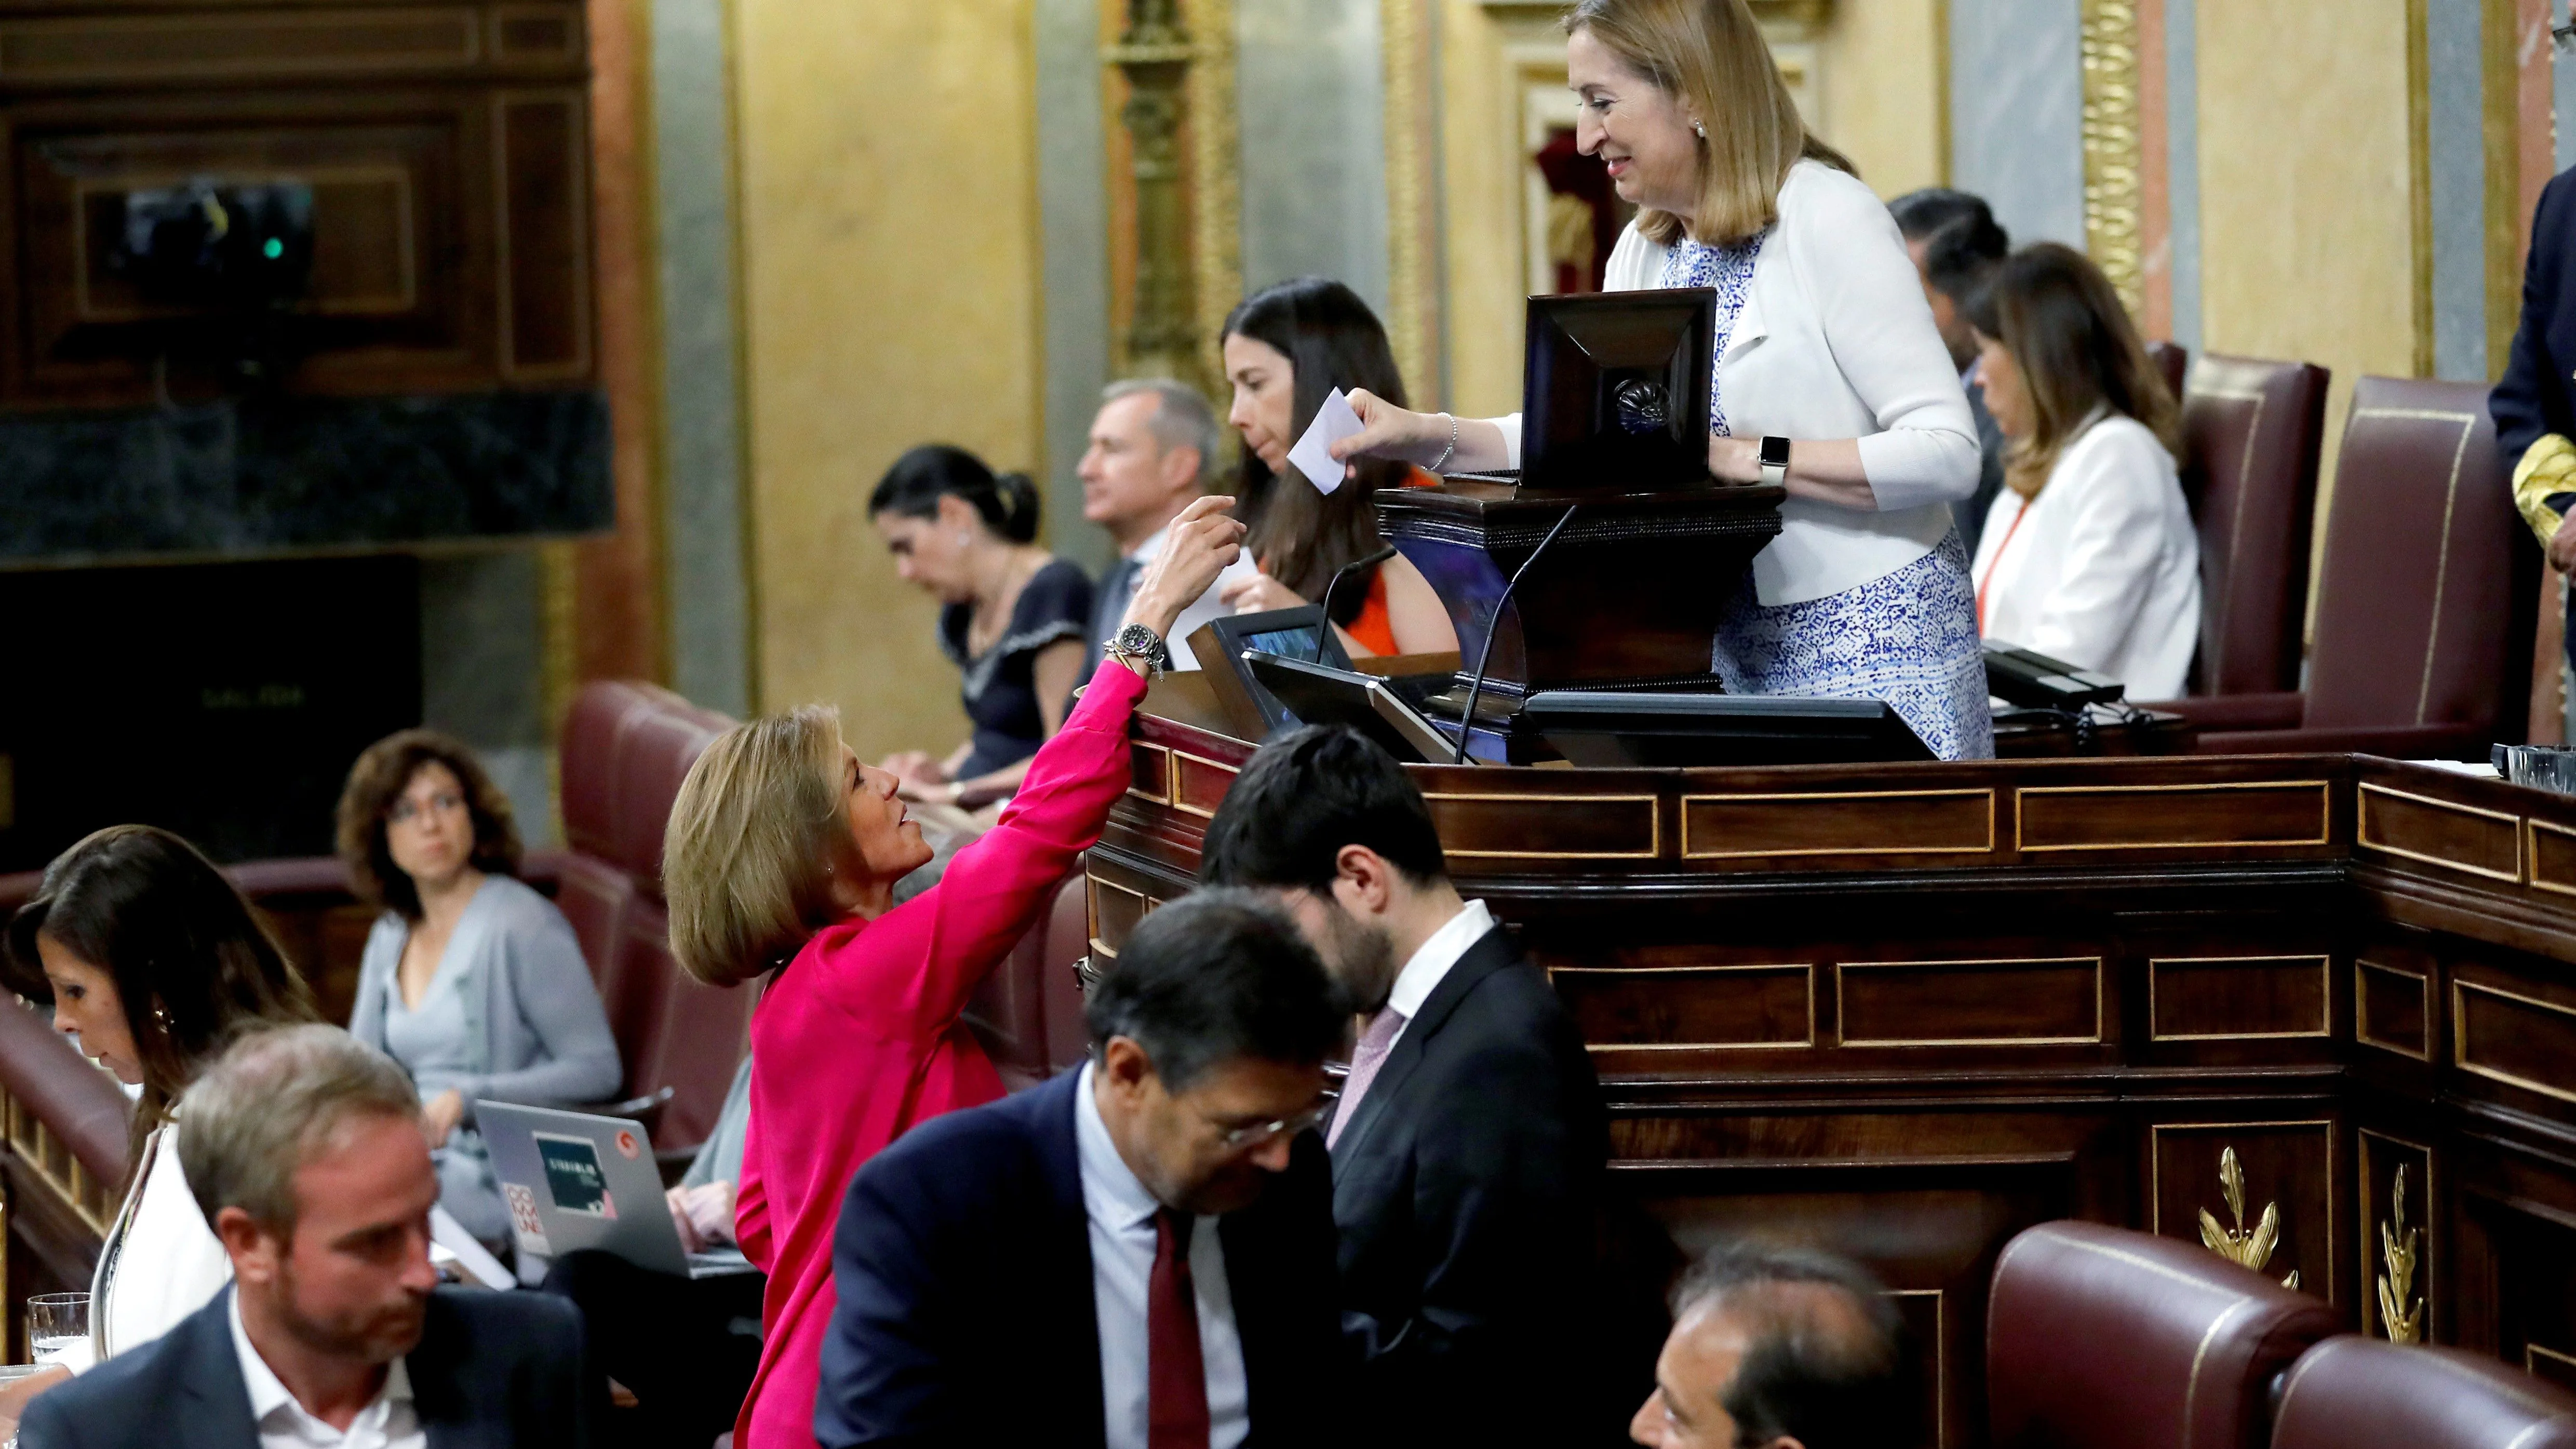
point(1429, 965)
point(387, 1422)
point(1835, 340)
point(1122, 1268)
point(161, 1262)
point(2102, 569)
point(1207, 607)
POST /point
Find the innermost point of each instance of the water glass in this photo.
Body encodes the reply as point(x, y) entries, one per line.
point(58, 1328)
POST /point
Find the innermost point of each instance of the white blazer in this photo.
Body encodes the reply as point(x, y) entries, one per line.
point(1835, 341)
point(161, 1262)
point(2102, 569)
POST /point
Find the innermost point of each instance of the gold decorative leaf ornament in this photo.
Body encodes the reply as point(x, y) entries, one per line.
point(2399, 1248)
point(2249, 1247)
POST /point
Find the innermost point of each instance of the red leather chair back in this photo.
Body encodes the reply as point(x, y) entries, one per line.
point(2423, 603)
point(2252, 431)
point(2361, 1393)
point(2109, 1339)
point(76, 1101)
point(626, 747)
point(673, 1032)
point(1068, 939)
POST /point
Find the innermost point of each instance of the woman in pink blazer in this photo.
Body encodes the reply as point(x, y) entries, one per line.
point(780, 863)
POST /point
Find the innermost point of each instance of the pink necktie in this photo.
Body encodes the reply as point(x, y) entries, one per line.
point(1374, 1045)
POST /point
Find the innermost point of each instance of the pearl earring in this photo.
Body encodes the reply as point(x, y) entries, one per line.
point(1699, 130)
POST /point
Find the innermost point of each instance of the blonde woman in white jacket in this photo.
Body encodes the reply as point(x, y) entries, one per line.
point(1824, 340)
point(2088, 554)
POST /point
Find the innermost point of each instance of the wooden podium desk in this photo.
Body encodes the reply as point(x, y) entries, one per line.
point(1909, 1010)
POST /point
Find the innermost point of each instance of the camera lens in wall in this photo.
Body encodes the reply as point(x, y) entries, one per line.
point(220, 246)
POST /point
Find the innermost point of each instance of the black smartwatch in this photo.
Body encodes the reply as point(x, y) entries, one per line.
point(1775, 461)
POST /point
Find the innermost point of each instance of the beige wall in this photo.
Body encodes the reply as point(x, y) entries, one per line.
point(890, 239)
point(1879, 70)
point(2308, 236)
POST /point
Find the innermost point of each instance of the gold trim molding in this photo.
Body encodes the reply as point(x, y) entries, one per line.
point(2114, 184)
point(2243, 1246)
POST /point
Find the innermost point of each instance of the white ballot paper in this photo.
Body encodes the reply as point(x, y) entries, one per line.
point(1334, 421)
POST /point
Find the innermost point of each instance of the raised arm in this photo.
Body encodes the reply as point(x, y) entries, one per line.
point(926, 958)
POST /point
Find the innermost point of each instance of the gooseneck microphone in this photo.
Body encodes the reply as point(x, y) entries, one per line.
point(1363, 561)
point(1484, 656)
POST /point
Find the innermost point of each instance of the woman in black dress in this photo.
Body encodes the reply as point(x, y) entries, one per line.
point(1016, 618)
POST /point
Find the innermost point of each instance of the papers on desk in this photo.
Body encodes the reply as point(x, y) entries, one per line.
point(472, 1257)
point(1333, 422)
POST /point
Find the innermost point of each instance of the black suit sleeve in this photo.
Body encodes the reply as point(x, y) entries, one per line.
point(885, 1371)
point(1501, 1214)
point(46, 1426)
point(2522, 402)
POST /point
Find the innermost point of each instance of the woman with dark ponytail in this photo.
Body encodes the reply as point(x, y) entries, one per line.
point(1016, 619)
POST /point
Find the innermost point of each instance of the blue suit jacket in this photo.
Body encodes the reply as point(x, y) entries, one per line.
point(2537, 394)
point(492, 1370)
point(963, 1273)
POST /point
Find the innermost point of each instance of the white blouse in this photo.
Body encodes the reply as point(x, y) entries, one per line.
point(161, 1262)
point(2102, 569)
point(1835, 340)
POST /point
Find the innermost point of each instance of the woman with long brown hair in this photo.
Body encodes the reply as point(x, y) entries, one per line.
point(2088, 554)
point(153, 963)
point(1286, 348)
point(1828, 375)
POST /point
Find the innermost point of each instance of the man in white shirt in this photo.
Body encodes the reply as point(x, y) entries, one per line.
point(305, 1150)
point(1153, 451)
point(1158, 1221)
point(1469, 1146)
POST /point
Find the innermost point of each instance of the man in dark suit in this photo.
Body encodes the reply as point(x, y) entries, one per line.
point(304, 1148)
point(2534, 403)
point(1138, 1255)
point(1469, 1144)
point(1955, 243)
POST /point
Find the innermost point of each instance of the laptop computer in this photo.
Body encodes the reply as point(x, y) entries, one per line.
point(575, 1181)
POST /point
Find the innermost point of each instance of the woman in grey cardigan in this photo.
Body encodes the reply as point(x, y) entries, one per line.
point(471, 980)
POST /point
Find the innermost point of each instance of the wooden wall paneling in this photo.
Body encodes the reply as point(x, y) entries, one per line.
point(2448, 834)
point(1661, 1000)
point(2515, 1030)
point(2512, 1257)
point(2239, 998)
point(1974, 1002)
point(2395, 1001)
point(541, 146)
point(2088, 819)
point(2288, 1167)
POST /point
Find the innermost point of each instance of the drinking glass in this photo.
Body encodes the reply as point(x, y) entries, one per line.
point(58, 1328)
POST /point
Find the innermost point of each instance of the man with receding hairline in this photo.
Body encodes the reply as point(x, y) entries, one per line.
point(1152, 452)
point(1777, 1348)
point(305, 1151)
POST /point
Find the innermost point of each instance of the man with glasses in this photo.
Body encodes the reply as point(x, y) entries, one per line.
point(1138, 1255)
point(1469, 1146)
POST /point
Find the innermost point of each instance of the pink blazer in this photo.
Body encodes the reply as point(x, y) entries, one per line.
point(859, 1038)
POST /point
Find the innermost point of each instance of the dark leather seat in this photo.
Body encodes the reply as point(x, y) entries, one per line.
point(2423, 636)
point(2173, 362)
point(2253, 430)
point(2110, 1339)
point(1028, 1016)
point(2362, 1393)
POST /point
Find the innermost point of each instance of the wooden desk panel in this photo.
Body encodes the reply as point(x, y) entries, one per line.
point(1908, 1010)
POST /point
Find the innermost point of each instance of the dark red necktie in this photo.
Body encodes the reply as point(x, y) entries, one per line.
point(1175, 1376)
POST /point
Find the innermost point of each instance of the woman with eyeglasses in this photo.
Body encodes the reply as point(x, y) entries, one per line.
point(471, 980)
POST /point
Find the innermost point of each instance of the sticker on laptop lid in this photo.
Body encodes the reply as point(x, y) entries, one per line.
point(574, 1178)
point(525, 1225)
point(627, 1147)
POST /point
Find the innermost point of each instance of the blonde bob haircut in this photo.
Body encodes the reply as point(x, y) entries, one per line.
point(760, 825)
point(1710, 57)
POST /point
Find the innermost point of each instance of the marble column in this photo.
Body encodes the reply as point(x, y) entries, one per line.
point(2017, 113)
point(1311, 91)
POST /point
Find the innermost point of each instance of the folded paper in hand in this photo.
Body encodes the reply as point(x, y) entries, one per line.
point(1334, 421)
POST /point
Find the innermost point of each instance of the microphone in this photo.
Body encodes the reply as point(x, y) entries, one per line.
point(1467, 719)
point(1365, 560)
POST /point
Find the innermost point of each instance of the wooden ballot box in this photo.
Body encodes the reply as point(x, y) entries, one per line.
point(1905, 1011)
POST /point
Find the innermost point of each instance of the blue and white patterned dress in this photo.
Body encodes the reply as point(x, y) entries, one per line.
point(1908, 637)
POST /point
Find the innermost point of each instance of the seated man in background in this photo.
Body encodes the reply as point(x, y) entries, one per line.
point(685, 1347)
point(1778, 1348)
point(1955, 243)
point(1152, 453)
point(1469, 1145)
point(305, 1150)
point(1138, 1254)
